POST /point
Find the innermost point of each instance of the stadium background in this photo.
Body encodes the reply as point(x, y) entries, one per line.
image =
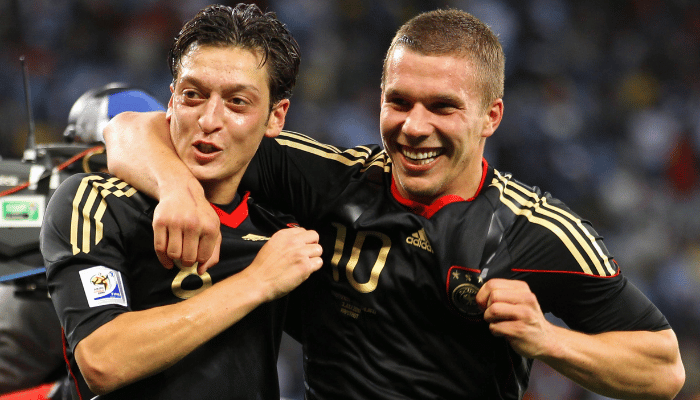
point(602, 108)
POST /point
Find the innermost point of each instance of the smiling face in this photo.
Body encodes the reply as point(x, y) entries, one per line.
point(434, 124)
point(218, 114)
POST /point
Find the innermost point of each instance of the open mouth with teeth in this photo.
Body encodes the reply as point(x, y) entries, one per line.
point(206, 148)
point(420, 156)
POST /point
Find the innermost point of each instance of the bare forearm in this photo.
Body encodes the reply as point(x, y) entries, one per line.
point(139, 344)
point(628, 365)
point(139, 151)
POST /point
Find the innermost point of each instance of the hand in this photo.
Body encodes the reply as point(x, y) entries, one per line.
point(513, 312)
point(285, 261)
point(186, 228)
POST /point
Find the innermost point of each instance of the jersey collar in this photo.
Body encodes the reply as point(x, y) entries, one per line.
point(428, 210)
point(235, 217)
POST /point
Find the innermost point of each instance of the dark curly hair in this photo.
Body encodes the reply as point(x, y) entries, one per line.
point(246, 26)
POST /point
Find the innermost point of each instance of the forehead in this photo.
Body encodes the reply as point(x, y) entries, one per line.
point(224, 65)
point(407, 70)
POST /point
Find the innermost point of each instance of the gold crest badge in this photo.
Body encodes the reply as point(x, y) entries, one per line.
point(462, 286)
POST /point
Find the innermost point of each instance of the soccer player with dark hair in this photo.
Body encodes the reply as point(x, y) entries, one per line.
point(438, 267)
point(135, 330)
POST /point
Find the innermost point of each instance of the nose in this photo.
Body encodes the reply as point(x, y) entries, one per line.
point(212, 116)
point(417, 122)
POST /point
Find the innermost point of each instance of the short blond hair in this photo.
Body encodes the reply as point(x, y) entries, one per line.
point(456, 32)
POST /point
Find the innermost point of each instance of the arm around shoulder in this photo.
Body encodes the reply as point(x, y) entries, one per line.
point(139, 151)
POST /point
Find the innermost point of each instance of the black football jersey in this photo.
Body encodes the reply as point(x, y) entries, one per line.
point(97, 242)
point(391, 314)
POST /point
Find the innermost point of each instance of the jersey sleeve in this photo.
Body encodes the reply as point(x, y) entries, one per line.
point(298, 175)
point(82, 246)
point(588, 297)
point(594, 305)
point(568, 266)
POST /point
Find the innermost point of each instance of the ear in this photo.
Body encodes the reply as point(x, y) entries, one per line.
point(493, 117)
point(275, 122)
point(169, 111)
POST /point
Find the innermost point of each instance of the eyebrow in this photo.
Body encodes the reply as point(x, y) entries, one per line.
point(438, 98)
point(227, 89)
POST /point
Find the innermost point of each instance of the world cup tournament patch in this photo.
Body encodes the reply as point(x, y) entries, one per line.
point(103, 286)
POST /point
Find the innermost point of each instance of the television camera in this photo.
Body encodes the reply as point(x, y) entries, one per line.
point(26, 185)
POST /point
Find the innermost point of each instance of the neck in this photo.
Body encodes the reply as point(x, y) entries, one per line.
point(219, 193)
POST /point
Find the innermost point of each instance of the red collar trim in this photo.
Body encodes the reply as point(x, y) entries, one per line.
point(237, 216)
point(428, 211)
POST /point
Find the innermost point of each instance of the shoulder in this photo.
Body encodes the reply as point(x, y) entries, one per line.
point(531, 205)
point(305, 146)
point(552, 236)
point(87, 189)
point(88, 210)
point(87, 181)
point(93, 199)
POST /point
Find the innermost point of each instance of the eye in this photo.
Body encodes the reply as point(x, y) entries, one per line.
point(397, 102)
point(238, 101)
point(191, 94)
point(443, 107)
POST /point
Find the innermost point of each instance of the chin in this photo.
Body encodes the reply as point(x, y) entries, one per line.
point(421, 194)
point(202, 175)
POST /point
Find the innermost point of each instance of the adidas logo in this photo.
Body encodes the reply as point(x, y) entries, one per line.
point(419, 240)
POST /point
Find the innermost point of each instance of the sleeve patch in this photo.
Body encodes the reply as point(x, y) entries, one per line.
point(103, 286)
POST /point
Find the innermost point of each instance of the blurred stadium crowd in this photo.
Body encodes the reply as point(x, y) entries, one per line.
point(602, 108)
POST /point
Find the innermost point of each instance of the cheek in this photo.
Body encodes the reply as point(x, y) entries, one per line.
point(178, 136)
point(387, 118)
point(465, 136)
point(389, 125)
point(181, 146)
point(241, 126)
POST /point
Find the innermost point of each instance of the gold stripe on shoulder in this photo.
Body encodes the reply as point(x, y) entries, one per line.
point(539, 205)
point(114, 186)
point(378, 160)
point(309, 139)
point(358, 157)
point(82, 217)
point(363, 151)
point(349, 157)
point(75, 214)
